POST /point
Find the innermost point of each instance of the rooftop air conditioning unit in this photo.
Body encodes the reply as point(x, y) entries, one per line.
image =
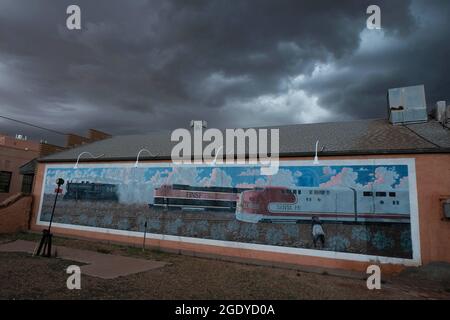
point(407, 105)
point(21, 137)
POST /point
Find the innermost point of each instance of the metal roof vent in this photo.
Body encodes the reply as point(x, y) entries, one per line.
point(198, 124)
point(407, 105)
point(441, 111)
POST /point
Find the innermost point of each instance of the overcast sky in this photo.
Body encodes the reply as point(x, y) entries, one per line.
point(139, 66)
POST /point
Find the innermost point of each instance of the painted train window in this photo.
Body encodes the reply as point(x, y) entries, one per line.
point(236, 203)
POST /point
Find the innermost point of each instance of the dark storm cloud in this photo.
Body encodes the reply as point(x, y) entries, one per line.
point(142, 65)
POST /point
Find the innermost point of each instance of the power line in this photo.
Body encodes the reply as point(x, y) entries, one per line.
point(33, 125)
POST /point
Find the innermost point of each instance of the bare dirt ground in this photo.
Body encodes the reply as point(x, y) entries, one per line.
point(25, 277)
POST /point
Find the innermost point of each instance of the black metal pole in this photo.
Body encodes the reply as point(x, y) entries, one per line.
point(45, 244)
point(53, 210)
point(145, 233)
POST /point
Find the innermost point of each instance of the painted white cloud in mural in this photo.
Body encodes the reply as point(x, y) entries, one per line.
point(283, 178)
point(218, 178)
point(347, 177)
point(403, 183)
point(250, 172)
point(133, 188)
point(328, 171)
point(191, 176)
point(383, 178)
point(183, 175)
point(298, 174)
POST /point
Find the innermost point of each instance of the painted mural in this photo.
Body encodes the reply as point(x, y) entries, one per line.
point(362, 209)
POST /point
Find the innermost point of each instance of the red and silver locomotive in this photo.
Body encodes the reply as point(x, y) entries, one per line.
point(343, 204)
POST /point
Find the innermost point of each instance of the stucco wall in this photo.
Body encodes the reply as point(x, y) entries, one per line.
point(431, 171)
point(433, 183)
point(15, 216)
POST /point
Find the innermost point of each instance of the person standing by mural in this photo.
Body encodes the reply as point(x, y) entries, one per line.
point(317, 232)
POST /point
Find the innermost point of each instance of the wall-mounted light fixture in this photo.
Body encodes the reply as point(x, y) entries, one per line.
point(88, 153)
point(316, 158)
point(213, 163)
point(139, 153)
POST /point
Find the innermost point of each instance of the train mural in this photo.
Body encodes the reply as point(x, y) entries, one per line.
point(185, 197)
point(278, 204)
point(86, 190)
point(284, 205)
point(365, 206)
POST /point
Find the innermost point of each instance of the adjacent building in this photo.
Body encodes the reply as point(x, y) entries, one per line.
point(15, 152)
point(18, 159)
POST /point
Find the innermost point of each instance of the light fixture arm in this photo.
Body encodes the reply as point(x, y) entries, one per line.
point(316, 158)
point(88, 153)
point(139, 153)
point(213, 163)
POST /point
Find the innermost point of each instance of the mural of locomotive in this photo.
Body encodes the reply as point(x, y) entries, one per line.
point(277, 204)
point(367, 206)
point(185, 197)
point(86, 190)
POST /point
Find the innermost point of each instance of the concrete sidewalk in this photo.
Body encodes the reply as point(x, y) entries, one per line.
point(100, 265)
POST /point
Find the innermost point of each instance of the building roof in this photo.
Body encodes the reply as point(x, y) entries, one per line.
point(29, 167)
point(375, 136)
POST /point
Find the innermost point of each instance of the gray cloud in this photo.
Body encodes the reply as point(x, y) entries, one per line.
point(147, 65)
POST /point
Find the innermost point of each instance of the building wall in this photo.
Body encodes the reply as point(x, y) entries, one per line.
point(433, 174)
point(96, 135)
point(15, 216)
point(12, 157)
point(431, 186)
point(46, 149)
point(74, 140)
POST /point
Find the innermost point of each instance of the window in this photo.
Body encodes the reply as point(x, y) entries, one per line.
point(380, 194)
point(5, 181)
point(367, 194)
point(391, 194)
point(27, 183)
